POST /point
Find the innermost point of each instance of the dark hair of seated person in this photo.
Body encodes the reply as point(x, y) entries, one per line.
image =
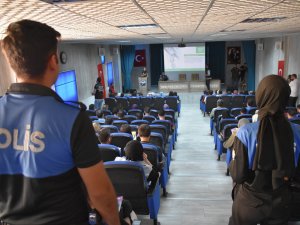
point(243, 110)
point(147, 109)
point(144, 130)
point(104, 135)
point(250, 102)
point(139, 115)
point(125, 128)
point(292, 112)
point(99, 113)
point(115, 110)
point(161, 112)
point(109, 121)
point(220, 103)
point(171, 93)
point(122, 95)
point(121, 114)
point(134, 151)
point(91, 107)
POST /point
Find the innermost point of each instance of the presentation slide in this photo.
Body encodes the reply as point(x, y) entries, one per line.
point(65, 86)
point(186, 59)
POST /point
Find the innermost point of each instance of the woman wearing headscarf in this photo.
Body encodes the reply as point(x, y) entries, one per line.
point(264, 160)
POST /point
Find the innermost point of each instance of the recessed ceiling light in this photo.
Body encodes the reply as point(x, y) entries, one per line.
point(138, 26)
point(124, 41)
point(218, 34)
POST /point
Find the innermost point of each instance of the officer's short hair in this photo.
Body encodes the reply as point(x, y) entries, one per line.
point(144, 130)
point(28, 46)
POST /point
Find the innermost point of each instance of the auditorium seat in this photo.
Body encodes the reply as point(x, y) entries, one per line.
point(154, 112)
point(90, 112)
point(173, 103)
point(195, 77)
point(134, 112)
point(129, 181)
point(149, 118)
point(134, 101)
point(119, 123)
point(226, 100)
point(211, 102)
point(251, 110)
point(237, 101)
point(129, 118)
point(182, 77)
point(158, 103)
point(146, 101)
point(106, 112)
point(122, 103)
point(112, 128)
point(139, 122)
point(120, 140)
point(111, 102)
point(152, 153)
point(247, 116)
point(109, 152)
point(250, 97)
point(235, 112)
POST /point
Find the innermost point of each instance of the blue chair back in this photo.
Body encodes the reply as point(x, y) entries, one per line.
point(146, 101)
point(112, 128)
point(225, 122)
point(129, 118)
point(122, 103)
point(158, 103)
point(134, 112)
point(235, 112)
point(139, 122)
point(111, 102)
point(247, 116)
point(149, 118)
point(119, 123)
point(109, 152)
point(226, 133)
point(134, 101)
point(157, 139)
point(152, 153)
point(172, 102)
point(237, 101)
point(160, 129)
point(120, 140)
point(154, 112)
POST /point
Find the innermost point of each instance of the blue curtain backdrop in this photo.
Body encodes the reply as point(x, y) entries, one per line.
point(157, 62)
point(250, 54)
point(127, 59)
point(215, 59)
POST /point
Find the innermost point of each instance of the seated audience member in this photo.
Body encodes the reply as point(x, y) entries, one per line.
point(125, 128)
point(263, 171)
point(235, 92)
point(122, 94)
point(161, 114)
point(291, 113)
point(147, 111)
point(115, 111)
point(139, 115)
point(250, 104)
point(220, 104)
point(99, 113)
point(97, 128)
point(298, 109)
point(121, 114)
point(109, 121)
point(171, 93)
point(91, 107)
point(134, 106)
point(243, 111)
point(144, 132)
point(166, 106)
point(104, 136)
point(229, 143)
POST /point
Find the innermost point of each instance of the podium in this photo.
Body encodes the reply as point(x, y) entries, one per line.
point(143, 86)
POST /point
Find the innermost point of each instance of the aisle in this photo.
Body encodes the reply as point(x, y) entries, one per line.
point(199, 191)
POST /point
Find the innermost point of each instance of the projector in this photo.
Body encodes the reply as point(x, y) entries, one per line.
point(181, 45)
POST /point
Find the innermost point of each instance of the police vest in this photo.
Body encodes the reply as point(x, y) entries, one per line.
point(248, 135)
point(35, 135)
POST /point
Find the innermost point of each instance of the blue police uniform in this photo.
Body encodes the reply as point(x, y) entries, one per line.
point(42, 143)
point(254, 199)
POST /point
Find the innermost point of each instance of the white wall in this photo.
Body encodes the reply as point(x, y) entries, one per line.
point(293, 54)
point(267, 59)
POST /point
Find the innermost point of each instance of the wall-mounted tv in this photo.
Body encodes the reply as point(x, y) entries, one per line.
point(66, 87)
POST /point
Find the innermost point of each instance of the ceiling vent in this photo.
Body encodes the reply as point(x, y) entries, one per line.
point(264, 20)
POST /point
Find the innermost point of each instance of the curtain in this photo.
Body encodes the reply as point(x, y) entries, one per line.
point(157, 62)
point(127, 59)
point(215, 59)
point(250, 54)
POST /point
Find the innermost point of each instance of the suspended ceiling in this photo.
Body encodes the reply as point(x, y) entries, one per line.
point(193, 20)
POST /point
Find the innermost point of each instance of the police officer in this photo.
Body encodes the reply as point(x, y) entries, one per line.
point(264, 159)
point(47, 148)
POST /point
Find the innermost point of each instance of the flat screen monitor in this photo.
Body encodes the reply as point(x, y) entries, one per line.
point(66, 87)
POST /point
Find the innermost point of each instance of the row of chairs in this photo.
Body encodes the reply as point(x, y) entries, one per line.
point(128, 177)
point(208, 102)
point(157, 103)
point(221, 128)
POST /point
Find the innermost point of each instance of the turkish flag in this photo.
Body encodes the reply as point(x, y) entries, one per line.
point(281, 68)
point(140, 58)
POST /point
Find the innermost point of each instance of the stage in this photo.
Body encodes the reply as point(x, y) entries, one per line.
point(187, 86)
